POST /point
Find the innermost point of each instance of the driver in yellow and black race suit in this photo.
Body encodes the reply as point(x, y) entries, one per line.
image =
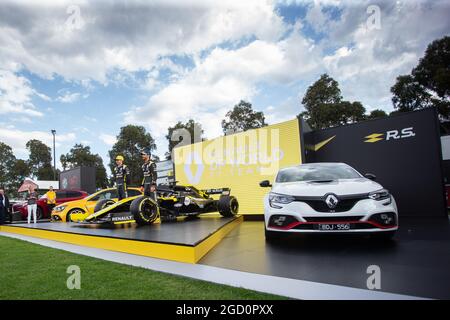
point(122, 176)
point(148, 185)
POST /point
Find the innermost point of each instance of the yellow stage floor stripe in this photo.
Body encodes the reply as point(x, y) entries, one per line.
point(189, 254)
point(206, 245)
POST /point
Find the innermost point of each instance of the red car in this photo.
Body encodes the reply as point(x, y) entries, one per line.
point(42, 208)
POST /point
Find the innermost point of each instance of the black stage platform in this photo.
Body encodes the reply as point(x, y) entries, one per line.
point(185, 232)
point(416, 263)
point(185, 240)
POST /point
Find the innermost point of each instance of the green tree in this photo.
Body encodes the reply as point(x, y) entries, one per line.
point(81, 155)
point(130, 141)
point(376, 114)
point(433, 70)
point(428, 85)
point(40, 160)
point(323, 91)
point(325, 108)
point(243, 118)
point(19, 171)
point(409, 95)
point(6, 164)
point(349, 112)
point(194, 129)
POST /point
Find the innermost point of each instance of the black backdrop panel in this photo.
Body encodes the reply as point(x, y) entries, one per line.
point(403, 151)
point(80, 178)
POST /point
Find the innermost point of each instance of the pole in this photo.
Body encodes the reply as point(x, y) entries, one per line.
point(54, 156)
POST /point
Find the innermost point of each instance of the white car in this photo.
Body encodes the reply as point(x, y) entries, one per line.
point(328, 198)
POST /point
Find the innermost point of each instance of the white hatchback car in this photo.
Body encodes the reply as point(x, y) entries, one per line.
point(328, 198)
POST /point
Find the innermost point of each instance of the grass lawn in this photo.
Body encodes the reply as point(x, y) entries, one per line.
point(31, 271)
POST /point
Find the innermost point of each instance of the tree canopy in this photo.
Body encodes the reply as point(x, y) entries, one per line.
point(130, 141)
point(242, 118)
point(194, 128)
point(428, 85)
point(6, 164)
point(325, 107)
point(12, 171)
point(40, 160)
point(376, 114)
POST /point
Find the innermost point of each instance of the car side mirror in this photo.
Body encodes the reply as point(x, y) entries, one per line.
point(265, 184)
point(370, 176)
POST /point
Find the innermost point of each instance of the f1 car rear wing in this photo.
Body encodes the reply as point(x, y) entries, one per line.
point(222, 191)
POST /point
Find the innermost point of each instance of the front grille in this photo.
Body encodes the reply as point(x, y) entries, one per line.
point(343, 205)
point(346, 203)
point(332, 219)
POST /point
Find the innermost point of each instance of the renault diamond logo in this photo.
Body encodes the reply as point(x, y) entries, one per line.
point(332, 201)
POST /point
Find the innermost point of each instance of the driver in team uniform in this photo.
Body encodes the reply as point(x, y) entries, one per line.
point(122, 176)
point(148, 185)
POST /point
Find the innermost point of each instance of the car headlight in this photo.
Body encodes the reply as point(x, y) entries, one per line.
point(59, 208)
point(279, 198)
point(187, 201)
point(378, 195)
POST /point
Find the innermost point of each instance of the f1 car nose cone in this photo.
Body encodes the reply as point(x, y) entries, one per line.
point(332, 201)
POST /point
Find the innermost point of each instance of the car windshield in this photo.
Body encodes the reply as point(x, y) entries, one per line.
point(105, 194)
point(316, 173)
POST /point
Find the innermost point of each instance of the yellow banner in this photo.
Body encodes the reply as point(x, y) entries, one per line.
point(240, 161)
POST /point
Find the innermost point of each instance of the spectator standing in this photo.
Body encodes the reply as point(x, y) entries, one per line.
point(51, 199)
point(32, 203)
point(4, 206)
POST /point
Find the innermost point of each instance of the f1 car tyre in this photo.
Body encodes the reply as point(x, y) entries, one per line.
point(228, 206)
point(102, 204)
point(145, 210)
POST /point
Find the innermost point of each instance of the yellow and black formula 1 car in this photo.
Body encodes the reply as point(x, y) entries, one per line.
point(171, 201)
point(140, 209)
point(186, 200)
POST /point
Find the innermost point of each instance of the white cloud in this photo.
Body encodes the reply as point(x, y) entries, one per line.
point(222, 79)
point(316, 17)
point(22, 119)
point(368, 60)
point(285, 110)
point(238, 50)
point(69, 97)
point(118, 36)
point(16, 95)
point(91, 119)
point(17, 139)
point(108, 139)
point(42, 96)
point(82, 129)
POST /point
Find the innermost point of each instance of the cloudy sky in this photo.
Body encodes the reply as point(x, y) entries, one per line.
point(87, 68)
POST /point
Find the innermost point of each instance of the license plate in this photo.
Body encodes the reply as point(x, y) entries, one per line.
point(333, 227)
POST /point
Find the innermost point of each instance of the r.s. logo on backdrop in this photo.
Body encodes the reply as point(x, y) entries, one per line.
point(391, 135)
